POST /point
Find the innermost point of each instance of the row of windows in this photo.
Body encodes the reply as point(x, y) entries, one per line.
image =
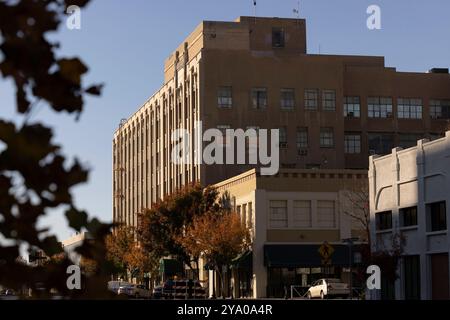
point(436, 217)
point(377, 107)
point(407, 108)
point(378, 143)
point(259, 98)
point(302, 214)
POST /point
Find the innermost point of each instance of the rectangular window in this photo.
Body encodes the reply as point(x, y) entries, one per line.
point(287, 99)
point(259, 98)
point(326, 138)
point(329, 100)
point(408, 140)
point(278, 38)
point(326, 214)
point(379, 107)
point(436, 216)
point(383, 220)
point(408, 217)
point(440, 109)
point(380, 143)
point(409, 108)
point(352, 143)
point(283, 137)
point(278, 214)
point(311, 99)
point(411, 268)
point(302, 214)
point(224, 97)
point(223, 129)
point(352, 107)
point(302, 138)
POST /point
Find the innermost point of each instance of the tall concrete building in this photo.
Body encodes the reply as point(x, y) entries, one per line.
point(332, 111)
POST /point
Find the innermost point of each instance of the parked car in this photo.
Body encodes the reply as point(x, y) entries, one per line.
point(325, 288)
point(135, 291)
point(183, 289)
point(115, 285)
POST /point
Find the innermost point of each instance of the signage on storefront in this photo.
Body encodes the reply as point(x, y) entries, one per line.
point(325, 251)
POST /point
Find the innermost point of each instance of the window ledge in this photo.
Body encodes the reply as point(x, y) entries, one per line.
point(408, 228)
point(383, 231)
point(436, 233)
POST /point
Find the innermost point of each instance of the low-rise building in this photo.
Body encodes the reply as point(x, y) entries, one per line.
point(69, 245)
point(409, 197)
point(291, 216)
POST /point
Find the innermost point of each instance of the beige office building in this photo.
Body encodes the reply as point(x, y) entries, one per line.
point(291, 215)
point(332, 111)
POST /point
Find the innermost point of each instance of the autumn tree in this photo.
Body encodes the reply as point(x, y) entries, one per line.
point(219, 238)
point(35, 177)
point(128, 255)
point(119, 244)
point(159, 226)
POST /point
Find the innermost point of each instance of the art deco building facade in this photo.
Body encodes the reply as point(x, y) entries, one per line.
point(332, 111)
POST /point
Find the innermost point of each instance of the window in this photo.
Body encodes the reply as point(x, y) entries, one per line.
point(380, 143)
point(326, 138)
point(287, 100)
point(409, 108)
point(283, 137)
point(408, 217)
point(278, 38)
point(259, 98)
point(302, 138)
point(311, 99)
point(224, 97)
point(352, 107)
point(302, 214)
point(383, 220)
point(440, 109)
point(379, 107)
point(411, 268)
point(223, 129)
point(436, 216)
point(408, 140)
point(326, 214)
point(278, 214)
point(352, 143)
point(329, 100)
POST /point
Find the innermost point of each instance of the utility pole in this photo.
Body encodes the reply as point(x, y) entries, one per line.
point(350, 242)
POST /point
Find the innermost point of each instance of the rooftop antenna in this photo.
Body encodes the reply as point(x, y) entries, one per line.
point(297, 10)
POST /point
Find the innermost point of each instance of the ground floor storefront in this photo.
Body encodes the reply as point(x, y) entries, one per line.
point(423, 277)
point(284, 270)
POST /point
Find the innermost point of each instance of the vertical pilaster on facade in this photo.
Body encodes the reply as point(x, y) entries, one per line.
point(425, 277)
point(259, 271)
point(373, 190)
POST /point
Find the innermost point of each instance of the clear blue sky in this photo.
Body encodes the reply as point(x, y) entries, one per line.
point(125, 44)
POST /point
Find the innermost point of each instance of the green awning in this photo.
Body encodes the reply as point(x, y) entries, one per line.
point(244, 261)
point(299, 256)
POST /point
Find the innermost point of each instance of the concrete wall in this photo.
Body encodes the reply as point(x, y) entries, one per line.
point(405, 178)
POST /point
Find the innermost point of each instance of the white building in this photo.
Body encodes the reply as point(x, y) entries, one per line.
point(409, 201)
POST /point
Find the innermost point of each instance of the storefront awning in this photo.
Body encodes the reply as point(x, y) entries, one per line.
point(303, 256)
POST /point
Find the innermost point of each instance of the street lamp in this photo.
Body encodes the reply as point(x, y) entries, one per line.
point(350, 242)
